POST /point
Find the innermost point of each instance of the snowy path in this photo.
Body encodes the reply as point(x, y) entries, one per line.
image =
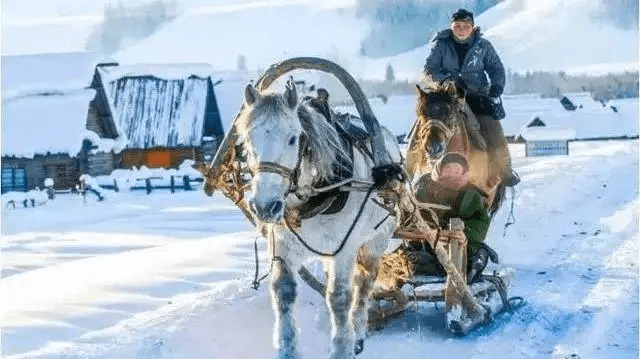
point(166, 276)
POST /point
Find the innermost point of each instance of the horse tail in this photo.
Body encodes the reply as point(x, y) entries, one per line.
point(497, 200)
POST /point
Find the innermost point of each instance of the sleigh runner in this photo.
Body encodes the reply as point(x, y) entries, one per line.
point(467, 304)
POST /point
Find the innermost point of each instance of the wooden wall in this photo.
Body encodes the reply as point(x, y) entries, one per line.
point(158, 157)
point(64, 170)
point(100, 164)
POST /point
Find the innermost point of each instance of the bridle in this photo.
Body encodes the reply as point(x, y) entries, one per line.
point(272, 167)
point(449, 132)
point(290, 174)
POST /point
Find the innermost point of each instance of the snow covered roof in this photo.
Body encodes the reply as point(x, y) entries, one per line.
point(158, 105)
point(548, 133)
point(24, 75)
point(174, 71)
point(230, 93)
point(593, 120)
point(40, 124)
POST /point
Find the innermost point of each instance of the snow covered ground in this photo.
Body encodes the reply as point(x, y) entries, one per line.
point(167, 275)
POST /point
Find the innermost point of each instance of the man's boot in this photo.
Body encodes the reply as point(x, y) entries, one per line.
point(477, 263)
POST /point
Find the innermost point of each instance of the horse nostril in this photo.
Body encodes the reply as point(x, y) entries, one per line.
point(435, 149)
point(268, 210)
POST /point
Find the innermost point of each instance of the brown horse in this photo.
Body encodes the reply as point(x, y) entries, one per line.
point(445, 124)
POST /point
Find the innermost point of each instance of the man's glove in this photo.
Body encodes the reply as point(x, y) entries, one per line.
point(456, 79)
point(460, 84)
point(495, 91)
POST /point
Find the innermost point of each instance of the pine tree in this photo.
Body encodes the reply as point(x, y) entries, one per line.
point(389, 75)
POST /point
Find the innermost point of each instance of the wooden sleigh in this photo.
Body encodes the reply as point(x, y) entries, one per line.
point(466, 305)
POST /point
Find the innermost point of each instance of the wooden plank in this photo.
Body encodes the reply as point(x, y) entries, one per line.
point(456, 251)
point(434, 292)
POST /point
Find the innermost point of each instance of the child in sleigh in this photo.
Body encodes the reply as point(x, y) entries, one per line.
point(449, 186)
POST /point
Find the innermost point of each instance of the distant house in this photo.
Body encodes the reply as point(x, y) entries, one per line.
point(567, 104)
point(44, 109)
point(590, 120)
point(152, 115)
point(536, 122)
point(544, 141)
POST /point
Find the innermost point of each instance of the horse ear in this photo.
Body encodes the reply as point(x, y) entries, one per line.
point(290, 95)
point(251, 94)
point(421, 92)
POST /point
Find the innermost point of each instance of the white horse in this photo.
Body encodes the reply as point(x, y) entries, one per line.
point(290, 146)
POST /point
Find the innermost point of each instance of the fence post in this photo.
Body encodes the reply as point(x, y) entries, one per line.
point(173, 185)
point(187, 183)
point(148, 183)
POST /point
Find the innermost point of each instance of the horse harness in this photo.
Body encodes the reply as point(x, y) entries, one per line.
point(324, 197)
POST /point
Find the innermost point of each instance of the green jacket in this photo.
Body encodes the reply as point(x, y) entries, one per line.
point(467, 204)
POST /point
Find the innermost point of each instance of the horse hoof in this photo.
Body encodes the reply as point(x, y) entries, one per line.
point(359, 347)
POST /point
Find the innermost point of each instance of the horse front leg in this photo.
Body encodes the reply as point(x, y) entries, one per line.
point(338, 297)
point(283, 296)
point(363, 281)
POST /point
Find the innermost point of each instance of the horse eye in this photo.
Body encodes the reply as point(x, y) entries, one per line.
point(292, 140)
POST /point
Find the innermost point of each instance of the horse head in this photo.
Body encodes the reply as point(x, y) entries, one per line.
point(271, 133)
point(439, 117)
point(287, 144)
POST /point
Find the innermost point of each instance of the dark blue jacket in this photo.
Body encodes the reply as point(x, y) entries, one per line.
point(481, 58)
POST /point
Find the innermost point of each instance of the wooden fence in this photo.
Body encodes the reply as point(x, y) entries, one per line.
point(175, 183)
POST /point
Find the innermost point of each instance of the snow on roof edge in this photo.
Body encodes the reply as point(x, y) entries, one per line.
point(177, 71)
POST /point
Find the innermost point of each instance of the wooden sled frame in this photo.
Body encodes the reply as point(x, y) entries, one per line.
point(466, 305)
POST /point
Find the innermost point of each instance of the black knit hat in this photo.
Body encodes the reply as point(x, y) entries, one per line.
point(462, 15)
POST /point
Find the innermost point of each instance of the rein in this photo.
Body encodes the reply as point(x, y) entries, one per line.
point(257, 280)
point(346, 236)
point(292, 176)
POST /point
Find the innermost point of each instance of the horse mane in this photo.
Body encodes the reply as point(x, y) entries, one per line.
point(325, 147)
point(323, 143)
point(432, 91)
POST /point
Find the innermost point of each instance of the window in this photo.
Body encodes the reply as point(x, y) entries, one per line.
point(14, 179)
